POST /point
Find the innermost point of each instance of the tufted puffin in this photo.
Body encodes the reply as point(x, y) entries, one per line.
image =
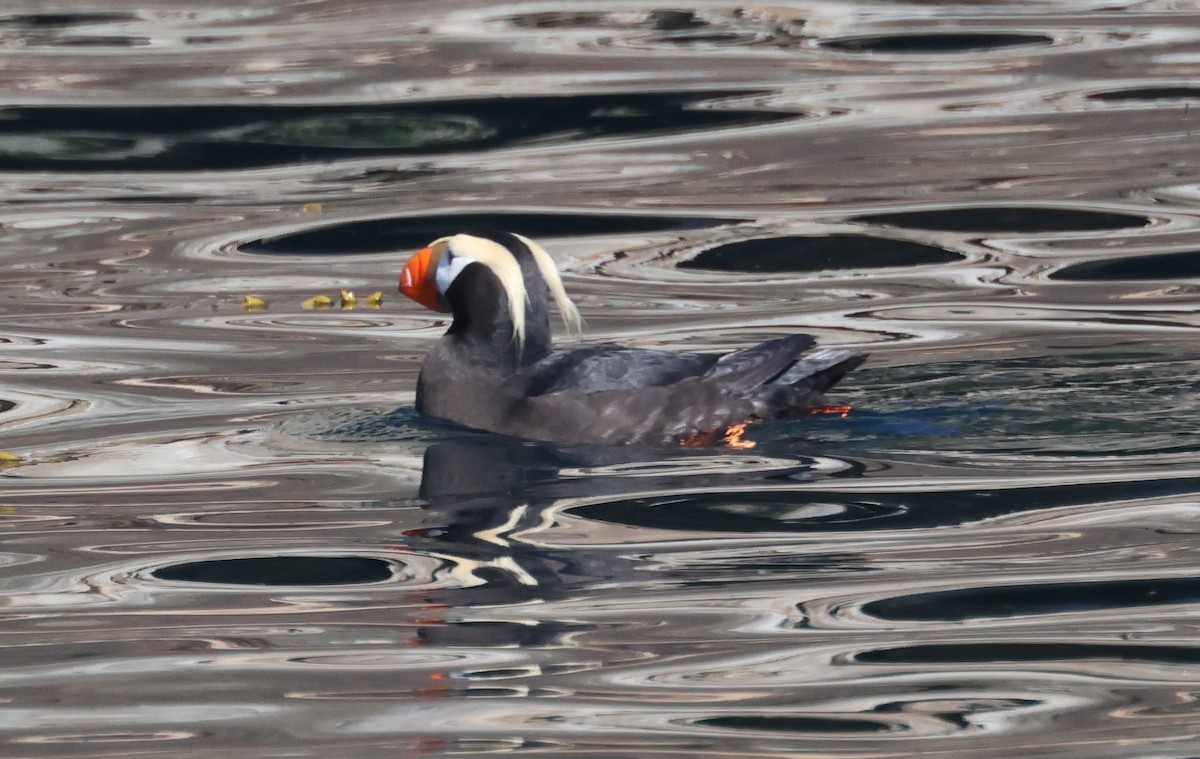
point(495, 368)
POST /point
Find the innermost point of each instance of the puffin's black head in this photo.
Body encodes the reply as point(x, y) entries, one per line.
point(432, 271)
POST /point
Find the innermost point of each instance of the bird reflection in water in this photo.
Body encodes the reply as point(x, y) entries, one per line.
point(486, 497)
point(492, 505)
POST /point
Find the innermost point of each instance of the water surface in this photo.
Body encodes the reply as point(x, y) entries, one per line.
point(229, 532)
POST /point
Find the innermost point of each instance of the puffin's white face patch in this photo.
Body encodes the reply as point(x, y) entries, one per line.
point(448, 268)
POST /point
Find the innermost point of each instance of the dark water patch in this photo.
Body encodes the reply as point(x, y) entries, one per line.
point(63, 20)
point(494, 692)
point(452, 469)
point(105, 41)
point(210, 40)
point(957, 42)
point(495, 634)
point(658, 27)
point(234, 136)
point(711, 38)
point(560, 20)
point(1135, 404)
point(665, 20)
point(746, 512)
point(281, 570)
point(842, 563)
point(985, 652)
point(1147, 93)
point(379, 178)
point(833, 511)
point(661, 20)
point(809, 254)
point(686, 28)
point(63, 30)
point(156, 199)
point(1159, 266)
point(495, 674)
point(1007, 219)
point(390, 235)
point(797, 724)
point(1031, 600)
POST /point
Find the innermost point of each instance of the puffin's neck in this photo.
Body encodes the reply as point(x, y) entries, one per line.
point(483, 327)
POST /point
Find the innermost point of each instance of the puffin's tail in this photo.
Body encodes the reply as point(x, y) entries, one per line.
point(800, 386)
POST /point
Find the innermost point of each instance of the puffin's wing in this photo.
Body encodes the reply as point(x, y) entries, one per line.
point(758, 364)
point(821, 369)
point(800, 387)
point(630, 415)
point(724, 395)
point(596, 368)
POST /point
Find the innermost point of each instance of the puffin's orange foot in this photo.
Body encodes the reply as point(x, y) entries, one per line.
point(732, 437)
point(842, 411)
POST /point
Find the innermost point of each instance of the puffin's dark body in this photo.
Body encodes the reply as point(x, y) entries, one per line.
point(479, 376)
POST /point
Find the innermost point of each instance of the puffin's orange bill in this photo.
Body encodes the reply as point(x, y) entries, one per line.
point(417, 282)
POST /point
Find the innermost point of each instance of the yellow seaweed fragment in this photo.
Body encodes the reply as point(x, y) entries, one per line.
point(8, 459)
point(317, 301)
point(312, 208)
point(253, 303)
point(346, 300)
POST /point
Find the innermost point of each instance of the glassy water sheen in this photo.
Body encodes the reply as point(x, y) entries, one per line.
point(229, 534)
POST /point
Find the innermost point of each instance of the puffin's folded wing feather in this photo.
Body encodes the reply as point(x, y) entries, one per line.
point(610, 399)
point(596, 368)
point(750, 367)
point(643, 415)
point(821, 368)
point(801, 386)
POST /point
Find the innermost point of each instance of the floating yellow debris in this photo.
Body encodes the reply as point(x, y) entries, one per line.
point(313, 208)
point(375, 300)
point(8, 459)
point(253, 303)
point(317, 301)
point(346, 299)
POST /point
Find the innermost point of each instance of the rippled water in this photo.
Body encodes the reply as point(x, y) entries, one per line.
point(228, 532)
